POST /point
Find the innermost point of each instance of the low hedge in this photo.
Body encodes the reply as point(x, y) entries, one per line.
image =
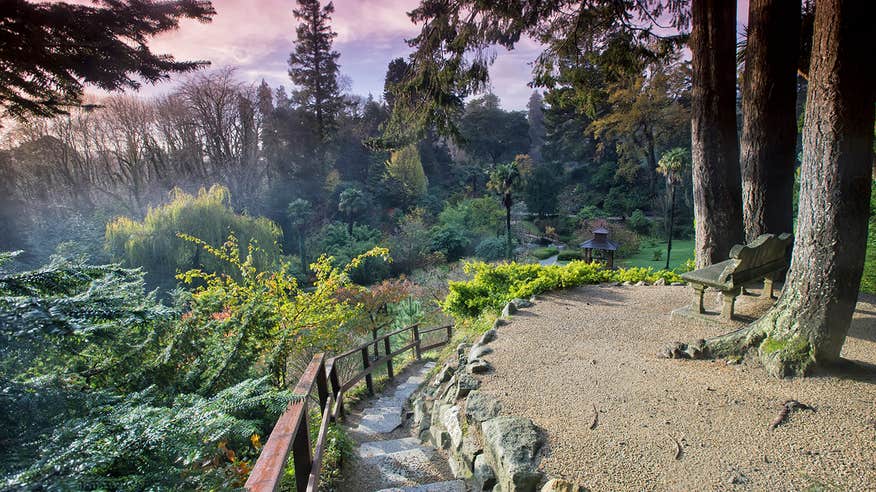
point(492, 286)
point(544, 253)
point(570, 255)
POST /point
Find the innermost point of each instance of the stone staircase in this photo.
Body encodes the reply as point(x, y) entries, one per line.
point(388, 459)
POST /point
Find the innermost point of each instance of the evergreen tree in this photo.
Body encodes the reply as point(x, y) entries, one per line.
point(313, 66)
point(406, 167)
point(537, 131)
point(47, 57)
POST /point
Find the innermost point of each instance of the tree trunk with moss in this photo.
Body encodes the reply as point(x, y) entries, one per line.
point(808, 325)
point(714, 146)
point(769, 120)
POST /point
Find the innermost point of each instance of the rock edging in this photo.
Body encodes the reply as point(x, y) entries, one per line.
point(490, 451)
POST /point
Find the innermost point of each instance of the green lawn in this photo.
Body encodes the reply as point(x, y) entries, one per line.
point(682, 250)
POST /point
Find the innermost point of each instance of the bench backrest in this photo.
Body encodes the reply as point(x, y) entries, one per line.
point(766, 254)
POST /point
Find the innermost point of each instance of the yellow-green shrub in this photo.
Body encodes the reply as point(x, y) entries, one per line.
point(492, 286)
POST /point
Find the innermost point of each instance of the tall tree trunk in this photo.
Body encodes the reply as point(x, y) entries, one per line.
point(508, 247)
point(671, 222)
point(809, 323)
point(715, 151)
point(769, 123)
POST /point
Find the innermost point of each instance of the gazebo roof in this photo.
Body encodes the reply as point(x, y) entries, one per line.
point(600, 243)
point(600, 230)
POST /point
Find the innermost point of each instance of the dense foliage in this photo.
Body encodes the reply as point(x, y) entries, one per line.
point(123, 392)
point(492, 286)
point(154, 243)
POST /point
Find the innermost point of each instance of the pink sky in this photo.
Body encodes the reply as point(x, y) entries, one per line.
point(257, 36)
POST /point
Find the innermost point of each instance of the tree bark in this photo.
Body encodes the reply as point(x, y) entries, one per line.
point(808, 325)
point(509, 249)
point(714, 146)
point(671, 223)
point(769, 123)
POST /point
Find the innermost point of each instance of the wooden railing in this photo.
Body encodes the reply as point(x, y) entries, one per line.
point(291, 432)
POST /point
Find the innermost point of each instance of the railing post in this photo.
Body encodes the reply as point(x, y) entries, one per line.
point(336, 387)
point(449, 333)
point(366, 363)
point(376, 347)
point(322, 386)
point(301, 454)
point(417, 341)
point(388, 349)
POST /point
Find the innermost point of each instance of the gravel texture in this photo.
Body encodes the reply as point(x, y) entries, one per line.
point(596, 346)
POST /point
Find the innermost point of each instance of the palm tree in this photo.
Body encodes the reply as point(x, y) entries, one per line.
point(299, 211)
point(351, 202)
point(672, 165)
point(504, 180)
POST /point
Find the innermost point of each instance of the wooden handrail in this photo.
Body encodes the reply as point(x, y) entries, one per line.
point(291, 433)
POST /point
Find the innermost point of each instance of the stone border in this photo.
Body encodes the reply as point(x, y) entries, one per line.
point(490, 451)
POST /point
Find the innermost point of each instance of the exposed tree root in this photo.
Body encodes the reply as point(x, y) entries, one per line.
point(595, 418)
point(677, 446)
point(788, 407)
point(782, 350)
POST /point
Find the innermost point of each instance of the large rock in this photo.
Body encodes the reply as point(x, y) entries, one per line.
point(521, 303)
point(477, 351)
point(478, 366)
point(557, 485)
point(466, 384)
point(462, 354)
point(421, 414)
point(483, 477)
point(513, 445)
point(449, 417)
point(660, 281)
point(488, 336)
point(508, 310)
point(471, 448)
point(445, 375)
point(480, 407)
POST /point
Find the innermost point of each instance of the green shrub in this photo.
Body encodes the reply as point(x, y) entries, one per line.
point(491, 249)
point(344, 243)
point(544, 253)
point(657, 254)
point(492, 286)
point(570, 255)
point(450, 240)
point(639, 223)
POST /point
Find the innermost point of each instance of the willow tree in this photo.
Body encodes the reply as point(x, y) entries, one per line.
point(808, 325)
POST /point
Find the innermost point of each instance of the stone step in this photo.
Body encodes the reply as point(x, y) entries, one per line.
point(447, 486)
point(378, 448)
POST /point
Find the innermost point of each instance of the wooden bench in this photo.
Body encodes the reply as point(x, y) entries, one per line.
point(764, 258)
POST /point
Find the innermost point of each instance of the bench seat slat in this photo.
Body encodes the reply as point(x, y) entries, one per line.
point(709, 275)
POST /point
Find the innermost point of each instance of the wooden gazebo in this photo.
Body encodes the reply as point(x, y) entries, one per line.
point(600, 248)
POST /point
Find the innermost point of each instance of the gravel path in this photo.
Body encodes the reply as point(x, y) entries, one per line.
point(597, 346)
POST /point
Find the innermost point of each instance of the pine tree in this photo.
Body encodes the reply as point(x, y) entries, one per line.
point(49, 50)
point(313, 66)
point(537, 131)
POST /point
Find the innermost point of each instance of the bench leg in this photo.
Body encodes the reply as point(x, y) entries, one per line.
point(729, 303)
point(767, 292)
point(697, 305)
